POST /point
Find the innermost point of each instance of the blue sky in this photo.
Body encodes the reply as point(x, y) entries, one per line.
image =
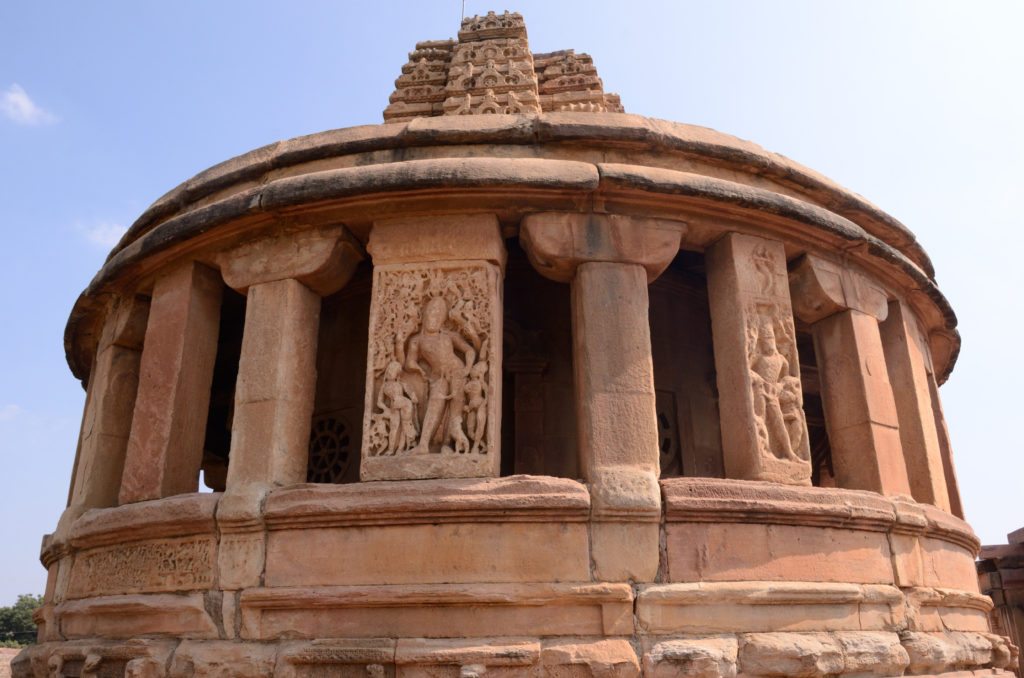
point(104, 106)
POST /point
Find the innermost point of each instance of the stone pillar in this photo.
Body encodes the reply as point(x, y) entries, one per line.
point(165, 448)
point(844, 308)
point(945, 446)
point(764, 431)
point(110, 400)
point(906, 358)
point(284, 277)
point(433, 374)
point(609, 261)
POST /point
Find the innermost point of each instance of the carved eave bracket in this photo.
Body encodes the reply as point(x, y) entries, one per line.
point(556, 242)
point(821, 288)
point(322, 259)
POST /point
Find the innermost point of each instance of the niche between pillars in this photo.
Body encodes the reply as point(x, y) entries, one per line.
point(686, 393)
point(337, 425)
point(538, 420)
point(217, 443)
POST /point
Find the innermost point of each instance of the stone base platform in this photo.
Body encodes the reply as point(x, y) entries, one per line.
point(747, 579)
point(753, 655)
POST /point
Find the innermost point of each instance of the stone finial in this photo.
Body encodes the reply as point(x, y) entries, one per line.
point(490, 70)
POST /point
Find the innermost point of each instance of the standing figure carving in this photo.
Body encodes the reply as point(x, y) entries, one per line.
point(430, 367)
point(778, 400)
point(434, 354)
point(396, 400)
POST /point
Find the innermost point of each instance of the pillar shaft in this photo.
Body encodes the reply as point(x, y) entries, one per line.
point(276, 385)
point(283, 274)
point(609, 260)
point(614, 373)
point(764, 432)
point(946, 449)
point(860, 411)
point(906, 360)
point(107, 418)
point(165, 447)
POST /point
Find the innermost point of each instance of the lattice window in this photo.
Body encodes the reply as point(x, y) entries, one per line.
point(669, 446)
point(330, 450)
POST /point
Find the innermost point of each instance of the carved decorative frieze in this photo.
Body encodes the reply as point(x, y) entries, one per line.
point(432, 374)
point(184, 564)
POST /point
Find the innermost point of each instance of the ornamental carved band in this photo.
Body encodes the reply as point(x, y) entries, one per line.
point(433, 385)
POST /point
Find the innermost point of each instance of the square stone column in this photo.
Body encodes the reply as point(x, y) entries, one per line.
point(906, 358)
point(284, 275)
point(165, 448)
point(760, 397)
point(433, 377)
point(609, 261)
point(107, 418)
point(844, 308)
point(107, 421)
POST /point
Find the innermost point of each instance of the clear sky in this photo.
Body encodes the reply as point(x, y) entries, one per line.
point(104, 106)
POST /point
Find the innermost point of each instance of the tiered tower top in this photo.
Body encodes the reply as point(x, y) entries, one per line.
point(490, 69)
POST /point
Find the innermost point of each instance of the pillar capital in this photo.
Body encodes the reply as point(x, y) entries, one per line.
point(558, 242)
point(322, 259)
point(821, 288)
point(456, 237)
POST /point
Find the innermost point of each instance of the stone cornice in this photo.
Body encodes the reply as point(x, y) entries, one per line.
point(502, 500)
point(518, 185)
point(694, 500)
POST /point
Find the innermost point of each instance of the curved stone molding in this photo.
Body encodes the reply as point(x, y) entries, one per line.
point(704, 500)
point(507, 500)
point(722, 607)
point(343, 170)
point(438, 611)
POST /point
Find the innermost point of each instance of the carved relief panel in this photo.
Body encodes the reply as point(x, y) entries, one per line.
point(764, 430)
point(433, 389)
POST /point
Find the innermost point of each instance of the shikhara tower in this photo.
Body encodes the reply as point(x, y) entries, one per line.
point(513, 384)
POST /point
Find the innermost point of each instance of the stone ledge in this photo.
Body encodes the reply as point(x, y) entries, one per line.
point(716, 500)
point(133, 616)
point(931, 609)
point(178, 516)
point(694, 500)
point(437, 611)
point(724, 607)
point(470, 500)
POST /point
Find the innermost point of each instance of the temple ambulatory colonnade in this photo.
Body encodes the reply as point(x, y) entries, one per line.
point(514, 384)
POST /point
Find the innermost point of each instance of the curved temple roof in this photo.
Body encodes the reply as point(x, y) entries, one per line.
point(484, 114)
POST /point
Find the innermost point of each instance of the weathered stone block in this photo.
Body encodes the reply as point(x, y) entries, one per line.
point(793, 655)
point(692, 658)
point(758, 552)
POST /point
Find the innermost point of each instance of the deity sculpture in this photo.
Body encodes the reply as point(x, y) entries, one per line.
point(774, 396)
point(445, 374)
point(476, 405)
point(397, 401)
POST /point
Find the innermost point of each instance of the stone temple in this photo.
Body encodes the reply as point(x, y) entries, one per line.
point(513, 384)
